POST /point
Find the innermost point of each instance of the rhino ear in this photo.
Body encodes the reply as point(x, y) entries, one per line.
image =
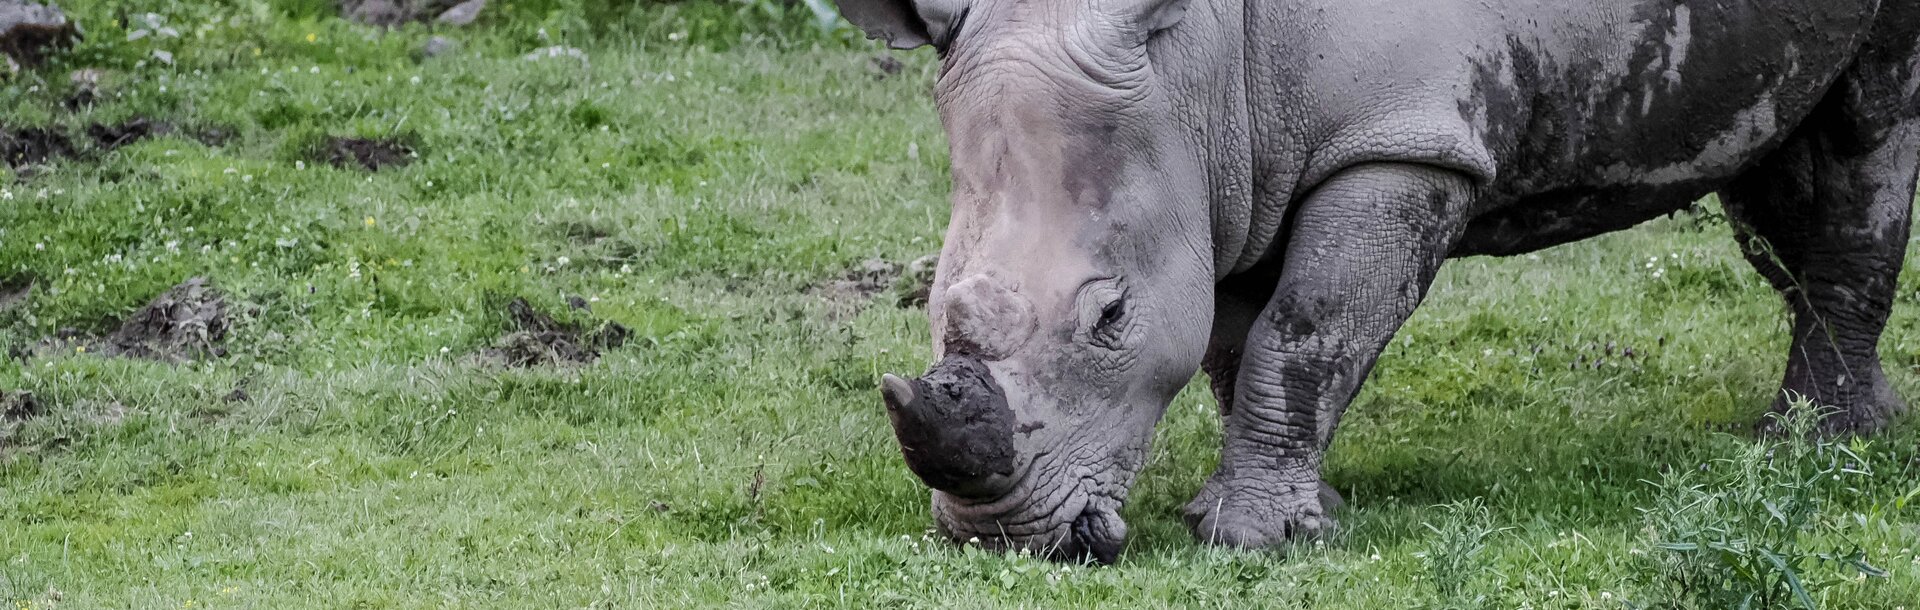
point(1158, 15)
point(894, 21)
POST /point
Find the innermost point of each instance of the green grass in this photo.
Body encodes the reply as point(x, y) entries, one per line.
point(703, 168)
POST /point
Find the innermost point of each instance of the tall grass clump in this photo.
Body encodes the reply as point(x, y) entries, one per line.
point(1454, 561)
point(1763, 529)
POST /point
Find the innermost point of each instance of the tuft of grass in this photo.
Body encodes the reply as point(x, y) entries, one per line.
point(1453, 562)
point(1766, 528)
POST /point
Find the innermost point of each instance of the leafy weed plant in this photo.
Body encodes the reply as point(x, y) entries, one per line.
point(1758, 530)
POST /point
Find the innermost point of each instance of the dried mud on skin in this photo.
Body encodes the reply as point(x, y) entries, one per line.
point(538, 339)
point(186, 321)
point(368, 154)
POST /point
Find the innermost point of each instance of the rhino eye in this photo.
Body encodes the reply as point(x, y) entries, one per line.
point(1113, 312)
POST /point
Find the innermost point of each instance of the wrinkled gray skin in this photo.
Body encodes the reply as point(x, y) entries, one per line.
point(1265, 190)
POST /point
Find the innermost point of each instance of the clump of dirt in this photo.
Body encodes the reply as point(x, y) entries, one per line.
point(187, 320)
point(19, 407)
point(538, 339)
point(918, 281)
point(33, 146)
point(885, 66)
point(365, 153)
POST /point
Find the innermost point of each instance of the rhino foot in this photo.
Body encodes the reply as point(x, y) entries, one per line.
point(1260, 514)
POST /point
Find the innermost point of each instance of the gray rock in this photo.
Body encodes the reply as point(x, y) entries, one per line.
point(463, 13)
point(390, 13)
point(437, 46)
point(30, 31)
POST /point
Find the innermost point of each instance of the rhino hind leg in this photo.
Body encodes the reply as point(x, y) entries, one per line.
point(1825, 219)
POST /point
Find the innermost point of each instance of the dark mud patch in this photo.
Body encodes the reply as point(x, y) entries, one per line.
point(185, 322)
point(536, 338)
point(109, 137)
point(33, 146)
point(30, 146)
point(365, 153)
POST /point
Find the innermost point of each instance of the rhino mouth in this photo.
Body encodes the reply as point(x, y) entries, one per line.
point(1064, 522)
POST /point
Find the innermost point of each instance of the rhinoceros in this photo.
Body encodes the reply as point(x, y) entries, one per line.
point(1142, 189)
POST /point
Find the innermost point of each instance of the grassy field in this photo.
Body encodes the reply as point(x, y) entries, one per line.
point(1550, 431)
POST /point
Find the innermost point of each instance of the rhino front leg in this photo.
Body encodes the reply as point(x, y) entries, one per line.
point(1363, 249)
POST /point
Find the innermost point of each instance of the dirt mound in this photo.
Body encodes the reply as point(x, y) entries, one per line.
point(538, 339)
point(368, 154)
point(188, 320)
point(32, 146)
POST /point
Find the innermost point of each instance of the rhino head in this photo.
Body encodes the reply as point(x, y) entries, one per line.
point(1073, 298)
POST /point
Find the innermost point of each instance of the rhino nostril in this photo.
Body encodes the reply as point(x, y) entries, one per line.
point(1090, 537)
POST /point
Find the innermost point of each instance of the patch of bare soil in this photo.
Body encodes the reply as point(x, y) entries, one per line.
point(186, 321)
point(109, 137)
point(32, 146)
point(849, 293)
point(368, 154)
point(538, 339)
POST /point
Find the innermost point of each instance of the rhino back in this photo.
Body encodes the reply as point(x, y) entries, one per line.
point(1577, 118)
